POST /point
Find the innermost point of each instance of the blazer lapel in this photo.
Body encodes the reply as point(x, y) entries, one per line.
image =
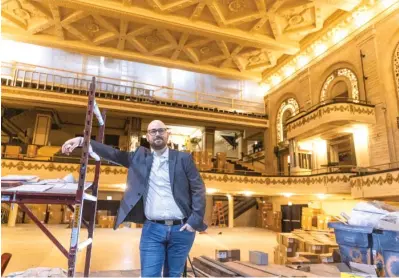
point(148, 163)
point(172, 164)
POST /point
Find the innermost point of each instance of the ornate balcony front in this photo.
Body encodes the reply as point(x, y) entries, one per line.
point(330, 116)
point(381, 181)
point(113, 178)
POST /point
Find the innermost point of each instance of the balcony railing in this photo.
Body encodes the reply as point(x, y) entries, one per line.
point(64, 81)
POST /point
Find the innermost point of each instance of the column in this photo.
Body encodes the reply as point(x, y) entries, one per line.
point(210, 140)
point(133, 133)
point(231, 210)
point(42, 129)
point(12, 217)
point(208, 210)
point(270, 158)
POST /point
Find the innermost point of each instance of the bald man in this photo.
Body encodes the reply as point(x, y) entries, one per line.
point(165, 192)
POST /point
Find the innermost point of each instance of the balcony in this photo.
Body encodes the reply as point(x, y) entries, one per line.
point(21, 82)
point(332, 115)
point(380, 181)
point(113, 178)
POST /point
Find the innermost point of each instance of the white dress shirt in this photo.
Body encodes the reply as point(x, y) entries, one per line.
point(159, 203)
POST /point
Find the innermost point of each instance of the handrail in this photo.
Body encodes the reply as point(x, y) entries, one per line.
point(158, 91)
point(302, 111)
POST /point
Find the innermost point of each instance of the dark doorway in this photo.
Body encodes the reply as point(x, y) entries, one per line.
point(291, 217)
point(111, 140)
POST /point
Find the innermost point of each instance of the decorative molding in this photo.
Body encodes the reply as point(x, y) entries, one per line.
point(360, 182)
point(344, 72)
point(59, 167)
point(332, 108)
point(396, 69)
point(312, 180)
point(289, 104)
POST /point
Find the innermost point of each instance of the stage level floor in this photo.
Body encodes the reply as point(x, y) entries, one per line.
point(119, 250)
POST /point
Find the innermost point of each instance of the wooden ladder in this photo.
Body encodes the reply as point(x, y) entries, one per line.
point(217, 215)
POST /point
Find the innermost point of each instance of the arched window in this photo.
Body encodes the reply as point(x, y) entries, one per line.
point(287, 109)
point(341, 83)
point(396, 68)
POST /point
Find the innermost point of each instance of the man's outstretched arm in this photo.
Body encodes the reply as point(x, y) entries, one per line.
point(106, 152)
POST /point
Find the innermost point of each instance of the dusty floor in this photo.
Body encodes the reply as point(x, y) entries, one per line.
point(118, 250)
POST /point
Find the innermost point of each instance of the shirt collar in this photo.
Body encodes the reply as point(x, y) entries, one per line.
point(161, 153)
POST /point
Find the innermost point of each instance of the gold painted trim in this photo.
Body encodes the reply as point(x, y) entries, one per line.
point(319, 113)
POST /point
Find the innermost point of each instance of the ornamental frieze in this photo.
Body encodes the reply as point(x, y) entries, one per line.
point(275, 180)
point(352, 108)
point(361, 182)
point(36, 166)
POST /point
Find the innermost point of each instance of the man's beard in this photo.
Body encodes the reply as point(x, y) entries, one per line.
point(158, 146)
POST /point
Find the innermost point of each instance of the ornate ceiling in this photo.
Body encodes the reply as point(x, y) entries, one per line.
point(231, 38)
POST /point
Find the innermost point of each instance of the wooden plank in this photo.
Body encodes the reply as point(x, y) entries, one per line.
point(280, 270)
point(226, 266)
point(248, 271)
point(212, 268)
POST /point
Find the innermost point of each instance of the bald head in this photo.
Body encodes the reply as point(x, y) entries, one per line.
point(156, 124)
point(157, 135)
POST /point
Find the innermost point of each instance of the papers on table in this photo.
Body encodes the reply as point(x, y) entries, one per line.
point(24, 178)
point(51, 187)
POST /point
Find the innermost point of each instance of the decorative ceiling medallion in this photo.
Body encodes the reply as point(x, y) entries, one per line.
point(92, 27)
point(205, 49)
point(254, 59)
point(236, 5)
point(24, 14)
point(153, 38)
point(295, 19)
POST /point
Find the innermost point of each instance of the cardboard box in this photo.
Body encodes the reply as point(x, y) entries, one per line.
point(313, 258)
point(258, 258)
point(326, 258)
point(316, 247)
point(227, 255)
point(298, 260)
point(288, 239)
point(288, 251)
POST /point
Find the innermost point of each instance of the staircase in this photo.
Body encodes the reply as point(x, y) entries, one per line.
point(244, 169)
point(241, 205)
point(13, 130)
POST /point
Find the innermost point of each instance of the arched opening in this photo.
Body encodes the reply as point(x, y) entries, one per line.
point(396, 69)
point(286, 115)
point(339, 90)
point(349, 89)
point(287, 109)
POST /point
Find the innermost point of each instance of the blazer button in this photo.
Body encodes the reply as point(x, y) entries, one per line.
point(139, 194)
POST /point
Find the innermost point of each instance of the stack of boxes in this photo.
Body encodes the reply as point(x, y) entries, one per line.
point(314, 219)
point(271, 219)
point(304, 247)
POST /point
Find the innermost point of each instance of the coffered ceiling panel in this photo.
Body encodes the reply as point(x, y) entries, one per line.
point(232, 38)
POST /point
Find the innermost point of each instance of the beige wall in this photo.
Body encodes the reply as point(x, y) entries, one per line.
point(377, 43)
point(247, 219)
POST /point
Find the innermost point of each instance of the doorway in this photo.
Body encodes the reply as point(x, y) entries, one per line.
point(291, 217)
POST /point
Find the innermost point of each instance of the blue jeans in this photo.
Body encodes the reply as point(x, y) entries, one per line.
point(161, 244)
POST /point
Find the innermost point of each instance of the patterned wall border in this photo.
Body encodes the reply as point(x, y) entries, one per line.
point(320, 112)
point(275, 180)
point(49, 166)
point(118, 170)
point(360, 182)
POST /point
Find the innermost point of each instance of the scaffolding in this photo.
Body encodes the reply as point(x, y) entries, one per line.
point(74, 200)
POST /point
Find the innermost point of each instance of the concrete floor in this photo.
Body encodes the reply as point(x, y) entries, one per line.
point(119, 250)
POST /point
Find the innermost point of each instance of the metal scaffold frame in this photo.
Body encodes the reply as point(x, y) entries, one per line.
point(73, 200)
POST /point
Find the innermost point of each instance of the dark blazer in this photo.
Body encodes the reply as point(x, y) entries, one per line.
point(187, 186)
